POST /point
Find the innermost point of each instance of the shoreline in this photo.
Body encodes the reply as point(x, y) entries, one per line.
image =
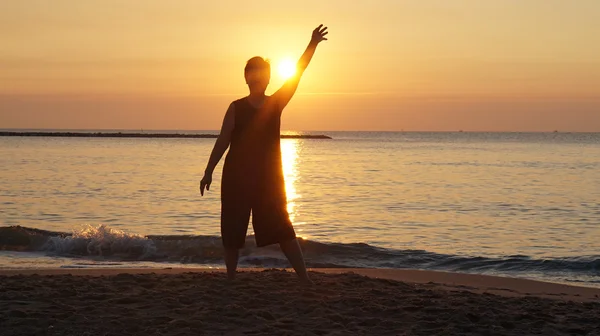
point(475, 283)
point(143, 135)
point(198, 251)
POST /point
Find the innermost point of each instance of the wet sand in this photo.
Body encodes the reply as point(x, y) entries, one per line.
point(272, 302)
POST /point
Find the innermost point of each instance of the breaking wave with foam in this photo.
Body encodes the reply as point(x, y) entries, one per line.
point(112, 245)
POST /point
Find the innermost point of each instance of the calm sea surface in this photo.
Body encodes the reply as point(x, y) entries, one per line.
point(517, 204)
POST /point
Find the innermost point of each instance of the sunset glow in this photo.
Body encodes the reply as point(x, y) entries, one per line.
point(398, 65)
point(286, 68)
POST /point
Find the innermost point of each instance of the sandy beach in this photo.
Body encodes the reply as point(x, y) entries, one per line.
point(272, 302)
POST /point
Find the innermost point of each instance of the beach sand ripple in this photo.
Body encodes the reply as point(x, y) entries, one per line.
point(273, 302)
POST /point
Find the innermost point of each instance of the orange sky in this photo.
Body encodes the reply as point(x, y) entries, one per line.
point(507, 65)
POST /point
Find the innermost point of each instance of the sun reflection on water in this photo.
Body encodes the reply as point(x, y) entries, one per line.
point(289, 158)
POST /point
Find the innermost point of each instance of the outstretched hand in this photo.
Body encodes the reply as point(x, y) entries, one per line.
point(318, 35)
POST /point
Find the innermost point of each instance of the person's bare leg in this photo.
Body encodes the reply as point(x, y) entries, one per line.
point(293, 253)
point(231, 261)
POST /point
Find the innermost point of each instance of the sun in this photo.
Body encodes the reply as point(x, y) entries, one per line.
point(286, 68)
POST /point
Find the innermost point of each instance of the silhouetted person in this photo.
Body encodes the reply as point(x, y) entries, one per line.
point(253, 173)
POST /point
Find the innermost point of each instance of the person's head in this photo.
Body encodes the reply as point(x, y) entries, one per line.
point(258, 74)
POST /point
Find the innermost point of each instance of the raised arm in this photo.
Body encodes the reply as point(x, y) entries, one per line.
point(286, 92)
point(219, 149)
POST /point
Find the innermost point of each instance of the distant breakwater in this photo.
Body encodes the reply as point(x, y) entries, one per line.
point(143, 135)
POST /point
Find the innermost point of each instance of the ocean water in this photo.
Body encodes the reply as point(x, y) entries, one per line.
point(511, 204)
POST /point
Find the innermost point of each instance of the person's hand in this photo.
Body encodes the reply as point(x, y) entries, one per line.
point(318, 35)
point(205, 183)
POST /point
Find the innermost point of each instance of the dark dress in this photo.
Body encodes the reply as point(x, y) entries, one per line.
point(253, 178)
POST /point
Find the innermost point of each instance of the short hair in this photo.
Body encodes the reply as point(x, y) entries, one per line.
point(257, 63)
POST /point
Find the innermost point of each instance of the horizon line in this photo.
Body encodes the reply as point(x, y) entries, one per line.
point(286, 131)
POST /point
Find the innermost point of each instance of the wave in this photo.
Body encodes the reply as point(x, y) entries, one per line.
point(115, 245)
